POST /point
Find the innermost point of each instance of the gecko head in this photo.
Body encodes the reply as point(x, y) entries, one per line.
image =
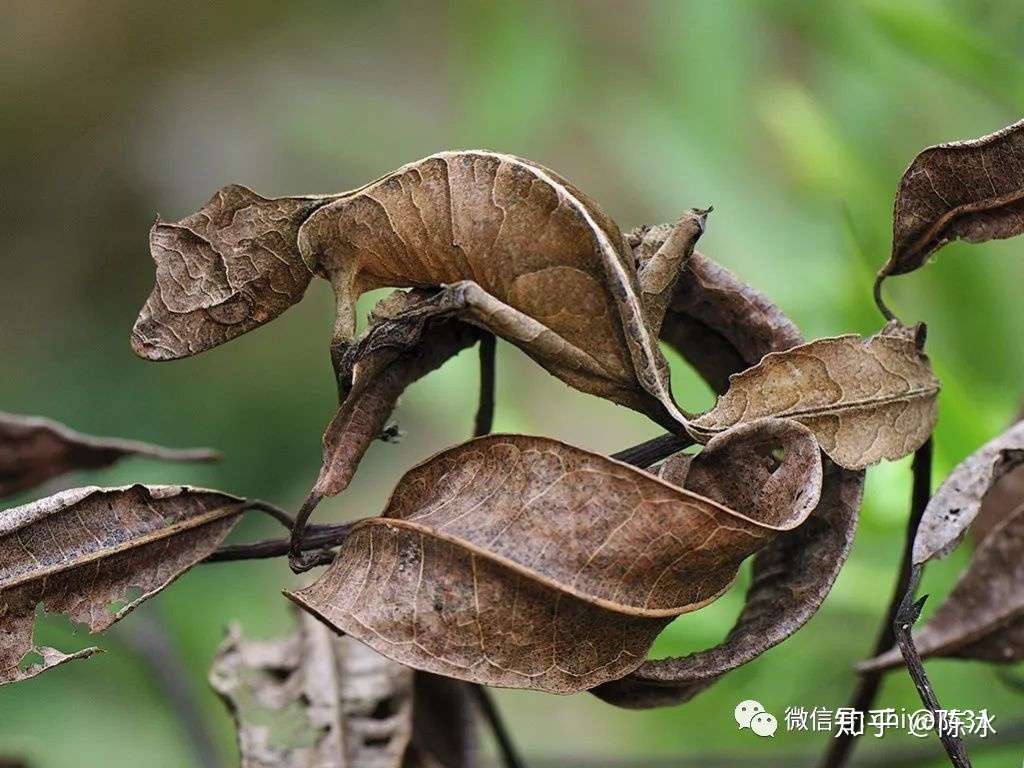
point(223, 271)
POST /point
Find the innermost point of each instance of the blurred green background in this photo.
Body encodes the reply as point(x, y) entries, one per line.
point(795, 119)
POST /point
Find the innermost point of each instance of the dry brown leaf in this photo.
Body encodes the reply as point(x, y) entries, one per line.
point(718, 323)
point(794, 573)
point(971, 190)
point(983, 617)
point(1002, 499)
point(957, 501)
point(314, 700)
point(864, 399)
point(80, 552)
point(225, 270)
point(791, 578)
point(34, 450)
point(518, 250)
point(524, 562)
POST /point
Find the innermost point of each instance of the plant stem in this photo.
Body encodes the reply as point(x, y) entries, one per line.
point(274, 511)
point(905, 619)
point(482, 426)
point(485, 411)
point(841, 748)
point(654, 450)
point(318, 537)
point(510, 757)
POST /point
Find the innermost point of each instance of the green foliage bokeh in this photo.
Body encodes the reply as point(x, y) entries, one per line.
point(795, 119)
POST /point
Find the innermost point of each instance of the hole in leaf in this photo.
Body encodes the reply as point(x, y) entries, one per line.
point(30, 659)
point(385, 708)
point(130, 596)
point(280, 675)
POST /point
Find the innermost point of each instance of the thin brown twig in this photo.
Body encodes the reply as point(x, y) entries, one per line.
point(509, 754)
point(319, 539)
point(482, 426)
point(841, 748)
point(147, 637)
point(654, 450)
point(274, 511)
point(907, 616)
point(485, 410)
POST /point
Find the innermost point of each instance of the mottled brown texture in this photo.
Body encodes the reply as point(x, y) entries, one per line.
point(971, 190)
point(524, 562)
point(522, 252)
point(717, 322)
point(314, 700)
point(80, 552)
point(534, 260)
point(957, 501)
point(1001, 500)
point(409, 336)
point(865, 399)
point(794, 573)
point(225, 270)
point(983, 617)
point(791, 578)
point(34, 450)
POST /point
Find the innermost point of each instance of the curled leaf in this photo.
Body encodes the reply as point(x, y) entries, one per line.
point(225, 270)
point(957, 501)
point(34, 450)
point(791, 578)
point(717, 322)
point(983, 617)
point(314, 700)
point(80, 552)
point(794, 573)
point(970, 190)
point(519, 250)
point(864, 399)
point(524, 562)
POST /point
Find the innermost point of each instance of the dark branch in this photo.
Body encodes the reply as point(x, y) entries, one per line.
point(652, 451)
point(510, 757)
point(275, 512)
point(864, 695)
point(315, 546)
point(297, 559)
point(485, 411)
point(905, 619)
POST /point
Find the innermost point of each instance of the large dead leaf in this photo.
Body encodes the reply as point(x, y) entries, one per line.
point(530, 257)
point(80, 552)
point(794, 573)
point(225, 270)
point(1002, 499)
point(865, 399)
point(971, 190)
point(314, 700)
point(983, 617)
point(34, 450)
point(518, 250)
point(791, 578)
point(957, 501)
point(524, 562)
